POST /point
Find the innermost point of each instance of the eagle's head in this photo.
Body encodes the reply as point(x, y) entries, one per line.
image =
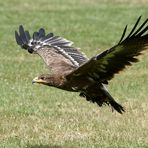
point(45, 79)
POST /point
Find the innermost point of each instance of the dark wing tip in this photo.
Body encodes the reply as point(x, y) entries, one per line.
point(21, 28)
point(22, 38)
point(28, 35)
point(135, 32)
point(49, 35)
point(18, 39)
point(41, 33)
point(123, 34)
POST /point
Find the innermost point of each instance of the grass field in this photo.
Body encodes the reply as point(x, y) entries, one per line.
point(37, 116)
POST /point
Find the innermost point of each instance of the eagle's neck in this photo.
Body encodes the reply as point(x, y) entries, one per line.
point(56, 81)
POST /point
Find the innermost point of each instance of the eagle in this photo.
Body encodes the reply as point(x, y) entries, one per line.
point(72, 71)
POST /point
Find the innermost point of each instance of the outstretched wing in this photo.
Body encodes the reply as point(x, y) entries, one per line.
point(102, 67)
point(57, 52)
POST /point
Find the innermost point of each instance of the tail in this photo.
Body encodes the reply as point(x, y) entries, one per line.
point(117, 106)
point(100, 95)
point(112, 101)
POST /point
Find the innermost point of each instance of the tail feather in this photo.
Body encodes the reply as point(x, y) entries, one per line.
point(117, 106)
point(101, 96)
point(111, 101)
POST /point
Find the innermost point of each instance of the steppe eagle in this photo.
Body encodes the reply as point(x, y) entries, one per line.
point(71, 70)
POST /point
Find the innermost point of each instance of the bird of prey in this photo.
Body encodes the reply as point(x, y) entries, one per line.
point(72, 71)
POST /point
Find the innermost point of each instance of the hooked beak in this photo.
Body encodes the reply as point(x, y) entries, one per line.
point(37, 80)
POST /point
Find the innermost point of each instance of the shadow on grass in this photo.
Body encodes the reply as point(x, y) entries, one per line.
point(43, 146)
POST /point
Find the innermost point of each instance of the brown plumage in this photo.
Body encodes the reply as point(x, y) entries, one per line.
point(72, 71)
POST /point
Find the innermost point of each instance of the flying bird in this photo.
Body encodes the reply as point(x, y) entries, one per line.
point(71, 70)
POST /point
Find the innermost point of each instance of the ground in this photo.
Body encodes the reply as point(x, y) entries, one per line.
point(38, 116)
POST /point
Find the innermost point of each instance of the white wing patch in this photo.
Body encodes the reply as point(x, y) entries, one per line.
point(63, 46)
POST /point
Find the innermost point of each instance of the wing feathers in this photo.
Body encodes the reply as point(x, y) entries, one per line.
point(41, 33)
point(40, 40)
point(132, 31)
point(140, 27)
point(23, 34)
point(123, 34)
point(18, 39)
point(27, 35)
point(143, 31)
point(102, 67)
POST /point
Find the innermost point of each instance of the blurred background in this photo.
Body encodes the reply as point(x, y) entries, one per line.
point(38, 116)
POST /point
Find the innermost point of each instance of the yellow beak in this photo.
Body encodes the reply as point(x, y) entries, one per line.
point(37, 80)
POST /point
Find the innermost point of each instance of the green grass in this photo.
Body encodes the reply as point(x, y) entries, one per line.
point(38, 116)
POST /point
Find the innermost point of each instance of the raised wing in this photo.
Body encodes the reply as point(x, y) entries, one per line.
point(102, 67)
point(56, 51)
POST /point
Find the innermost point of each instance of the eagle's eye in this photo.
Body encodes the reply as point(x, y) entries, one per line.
point(43, 78)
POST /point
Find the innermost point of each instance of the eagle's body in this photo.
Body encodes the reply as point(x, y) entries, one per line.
point(71, 70)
